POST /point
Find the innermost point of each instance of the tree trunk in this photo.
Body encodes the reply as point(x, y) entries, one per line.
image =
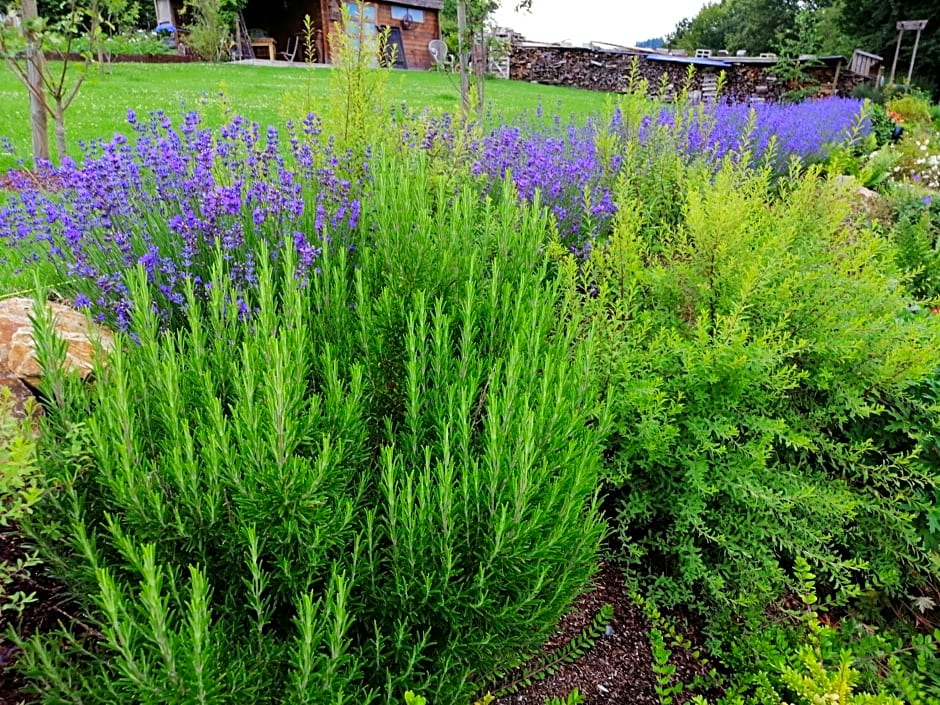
point(479, 71)
point(37, 95)
point(462, 53)
point(60, 130)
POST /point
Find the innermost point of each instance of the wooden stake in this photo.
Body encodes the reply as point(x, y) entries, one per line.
point(897, 51)
point(910, 70)
point(461, 50)
point(37, 95)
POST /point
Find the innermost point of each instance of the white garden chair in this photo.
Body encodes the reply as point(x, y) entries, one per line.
point(440, 54)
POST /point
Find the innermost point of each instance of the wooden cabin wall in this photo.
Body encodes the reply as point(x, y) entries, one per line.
point(415, 39)
point(286, 23)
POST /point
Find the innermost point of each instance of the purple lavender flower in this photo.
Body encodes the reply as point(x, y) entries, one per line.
point(171, 197)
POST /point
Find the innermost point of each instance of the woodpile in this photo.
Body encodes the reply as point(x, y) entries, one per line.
point(564, 66)
point(752, 83)
point(609, 71)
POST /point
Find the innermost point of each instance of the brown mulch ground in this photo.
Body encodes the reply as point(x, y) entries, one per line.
point(617, 669)
point(44, 613)
point(12, 180)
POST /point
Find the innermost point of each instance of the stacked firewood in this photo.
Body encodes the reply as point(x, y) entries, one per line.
point(609, 71)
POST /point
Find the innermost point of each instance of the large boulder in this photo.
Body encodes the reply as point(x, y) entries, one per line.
point(18, 348)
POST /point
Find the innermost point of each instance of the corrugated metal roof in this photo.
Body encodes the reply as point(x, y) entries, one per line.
point(687, 60)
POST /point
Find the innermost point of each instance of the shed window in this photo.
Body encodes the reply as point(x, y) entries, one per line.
point(401, 13)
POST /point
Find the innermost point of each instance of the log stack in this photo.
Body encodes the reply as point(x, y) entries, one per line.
point(570, 66)
point(604, 70)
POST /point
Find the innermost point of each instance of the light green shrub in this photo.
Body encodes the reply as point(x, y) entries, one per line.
point(356, 110)
point(19, 492)
point(741, 350)
point(912, 109)
point(809, 660)
point(386, 478)
point(210, 34)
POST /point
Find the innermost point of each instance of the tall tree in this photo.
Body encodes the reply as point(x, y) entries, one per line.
point(52, 86)
point(467, 36)
point(872, 25)
point(34, 84)
point(478, 12)
point(709, 29)
point(760, 25)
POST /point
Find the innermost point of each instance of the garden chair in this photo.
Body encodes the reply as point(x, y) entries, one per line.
point(293, 43)
point(440, 55)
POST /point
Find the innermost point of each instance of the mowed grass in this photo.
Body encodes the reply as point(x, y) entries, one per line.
point(266, 94)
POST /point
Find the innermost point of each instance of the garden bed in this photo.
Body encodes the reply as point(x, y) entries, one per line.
point(375, 413)
point(128, 58)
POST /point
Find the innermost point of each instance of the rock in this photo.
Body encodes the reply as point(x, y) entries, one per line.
point(17, 348)
point(872, 204)
point(867, 204)
point(23, 403)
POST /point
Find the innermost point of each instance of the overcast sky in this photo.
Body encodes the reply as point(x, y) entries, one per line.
point(615, 21)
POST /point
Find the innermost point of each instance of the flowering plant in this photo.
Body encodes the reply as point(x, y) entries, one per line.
point(920, 161)
point(172, 196)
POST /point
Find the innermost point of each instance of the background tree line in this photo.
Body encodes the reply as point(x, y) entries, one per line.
point(816, 27)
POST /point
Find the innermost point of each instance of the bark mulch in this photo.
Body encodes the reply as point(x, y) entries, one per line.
point(618, 668)
point(42, 614)
point(15, 180)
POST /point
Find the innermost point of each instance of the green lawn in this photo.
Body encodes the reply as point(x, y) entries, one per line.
point(260, 93)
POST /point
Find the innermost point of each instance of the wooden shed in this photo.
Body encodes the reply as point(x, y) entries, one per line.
point(273, 27)
point(411, 24)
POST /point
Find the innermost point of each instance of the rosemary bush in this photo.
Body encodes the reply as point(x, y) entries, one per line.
point(384, 477)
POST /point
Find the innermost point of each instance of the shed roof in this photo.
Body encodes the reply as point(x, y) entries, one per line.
point(426, 4)
point(697, 61)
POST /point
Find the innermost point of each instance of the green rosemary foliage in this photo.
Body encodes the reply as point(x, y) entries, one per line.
point(382, 478)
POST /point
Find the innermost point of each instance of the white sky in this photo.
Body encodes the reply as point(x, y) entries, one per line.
point(615, 21)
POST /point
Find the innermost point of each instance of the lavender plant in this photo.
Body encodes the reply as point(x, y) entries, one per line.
point(172, 196)
point(573, 167)
point(772, 132)
point(562, 164)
